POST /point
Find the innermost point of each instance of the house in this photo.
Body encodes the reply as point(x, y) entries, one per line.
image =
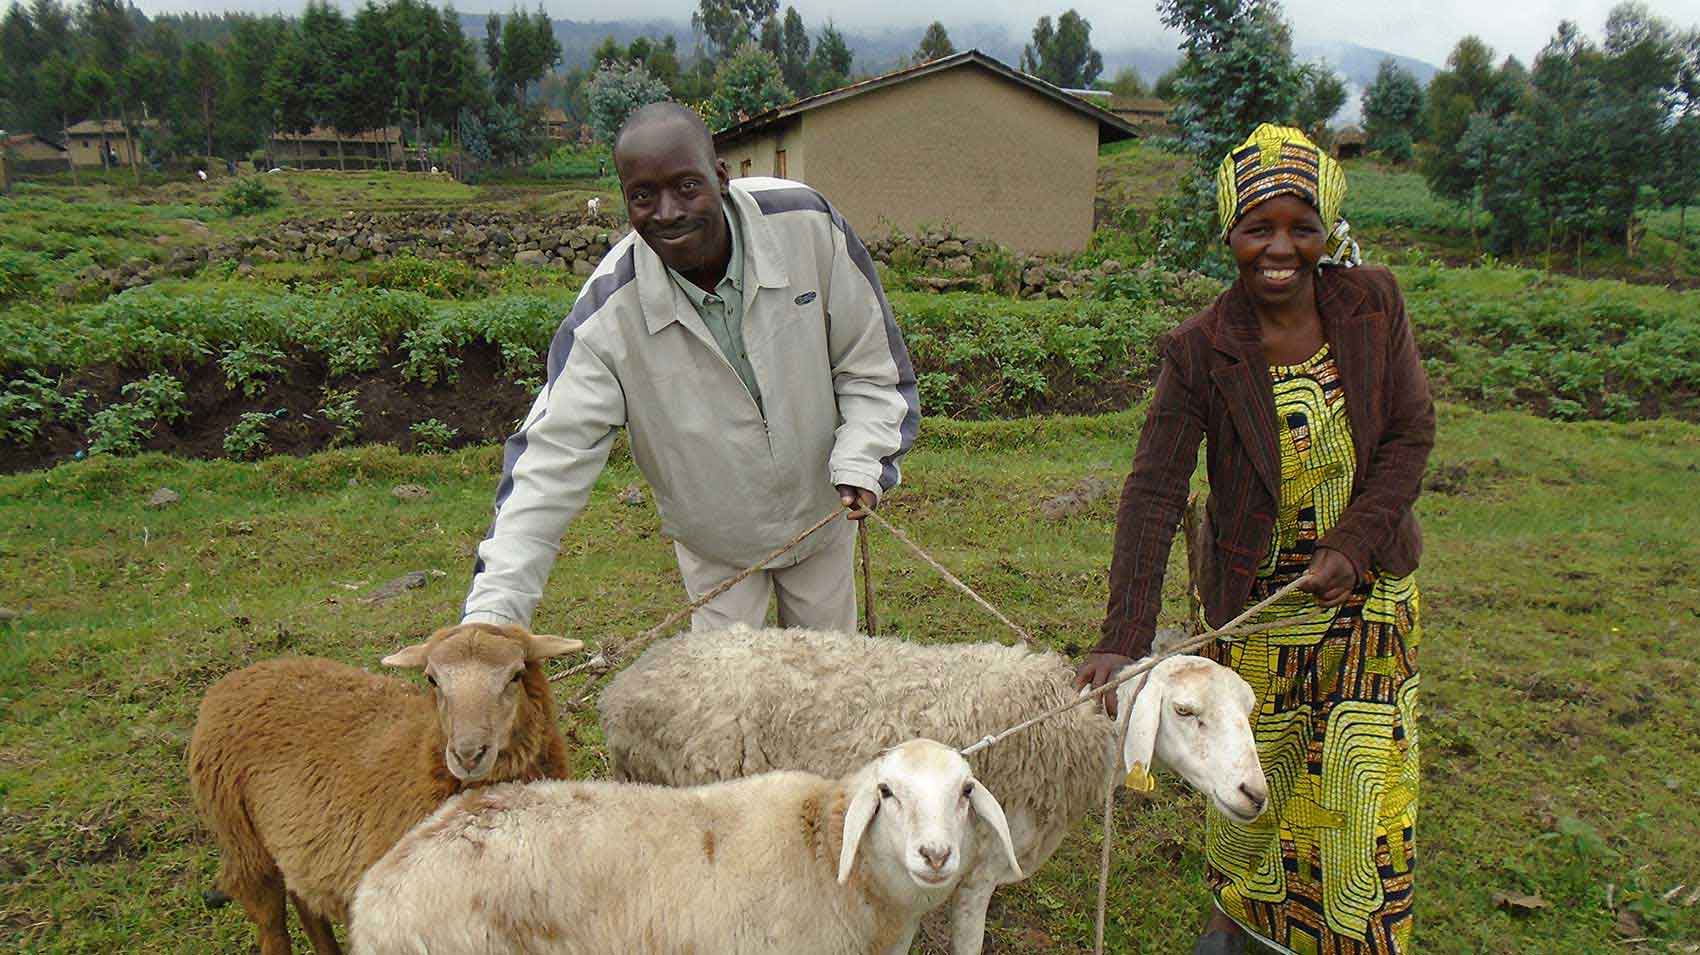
point(1349, 144)
point(29, 153)
point(1151, 116)
point(964, 141)
point(92, 139)
point(318, 148)
point(557, 128)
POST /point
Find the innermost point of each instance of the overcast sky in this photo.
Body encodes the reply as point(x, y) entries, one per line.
point(1425, 30)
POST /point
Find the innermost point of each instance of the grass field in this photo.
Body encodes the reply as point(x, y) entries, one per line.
point(1561, 737)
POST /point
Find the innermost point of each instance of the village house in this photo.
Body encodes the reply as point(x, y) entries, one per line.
point(319, 148)
point(29, 153)
point(557, 128)
point(963, 141)
point(90, 139)
point(1349, 143)
point(1149, 116)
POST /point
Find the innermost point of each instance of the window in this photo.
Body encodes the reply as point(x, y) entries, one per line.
point(744, 167)
point(779, 163)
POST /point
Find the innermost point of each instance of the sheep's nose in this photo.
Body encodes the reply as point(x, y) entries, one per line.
point(935, 857)
point(470, 753)
point(1256, 795)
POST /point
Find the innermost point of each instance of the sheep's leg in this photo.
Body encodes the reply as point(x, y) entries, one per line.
point(317, 928)
point(264, 903)
point(968, 913)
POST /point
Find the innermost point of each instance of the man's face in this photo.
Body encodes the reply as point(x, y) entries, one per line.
point(672, 184)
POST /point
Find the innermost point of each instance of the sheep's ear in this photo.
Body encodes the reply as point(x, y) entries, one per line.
point(1141, 704)
point(987, 806)
point(856, 818)
point(542, 646)
point(412, 658)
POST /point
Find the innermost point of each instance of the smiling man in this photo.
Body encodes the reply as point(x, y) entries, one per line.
point(740, 336)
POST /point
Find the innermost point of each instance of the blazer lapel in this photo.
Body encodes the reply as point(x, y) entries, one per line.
point(1245, 387)
point(1358, 339)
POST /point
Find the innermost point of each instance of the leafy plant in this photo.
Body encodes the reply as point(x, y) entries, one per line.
point(338, 406)
point(119, 429)
point(248, 365)
point(31, 400)
point(431, 436)
point(246, 439)
point(248, 195)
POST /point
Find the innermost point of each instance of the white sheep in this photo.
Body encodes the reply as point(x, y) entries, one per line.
point(593, 205)
point(778, 864)
point(307, 771)
point(721, 704)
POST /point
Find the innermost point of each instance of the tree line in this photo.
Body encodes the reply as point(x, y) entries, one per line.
point(1575, 149)
point(223, 86)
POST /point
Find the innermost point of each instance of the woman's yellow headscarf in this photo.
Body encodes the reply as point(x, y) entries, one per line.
point(1282, 161)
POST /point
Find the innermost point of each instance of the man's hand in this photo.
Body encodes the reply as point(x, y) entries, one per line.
point(1331, 577)
point(1097, 669)
point(860, 500)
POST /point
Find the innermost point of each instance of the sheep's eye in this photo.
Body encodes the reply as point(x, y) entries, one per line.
point(430, 679)
point(967, 790)
point(885, 791)
point(1182, 709)
point(517, 675)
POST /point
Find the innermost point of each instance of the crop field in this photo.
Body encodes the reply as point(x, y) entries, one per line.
point(284, 401)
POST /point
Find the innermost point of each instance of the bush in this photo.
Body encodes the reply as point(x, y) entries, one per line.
point(119, 429)
point(31, 400)
point(571, 162)
point(433, 278)
point(246, 439)
point(248, 195)
point(248, 365)
point(431, 436)
point(339, 409)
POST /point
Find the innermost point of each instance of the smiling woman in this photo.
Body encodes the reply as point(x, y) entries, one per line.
point(1304, 382)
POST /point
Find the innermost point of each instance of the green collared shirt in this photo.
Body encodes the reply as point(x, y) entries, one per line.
point(722, 310)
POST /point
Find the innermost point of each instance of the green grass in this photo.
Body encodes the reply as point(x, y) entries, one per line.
point(1560, 728)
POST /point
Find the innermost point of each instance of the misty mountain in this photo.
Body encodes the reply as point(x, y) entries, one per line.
point(882, 50)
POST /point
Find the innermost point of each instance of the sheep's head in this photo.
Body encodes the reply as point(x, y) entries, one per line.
point(476, 672)
point(1192, 714)
point(912, 807)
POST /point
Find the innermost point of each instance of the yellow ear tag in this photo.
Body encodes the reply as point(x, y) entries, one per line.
point(1139, 780)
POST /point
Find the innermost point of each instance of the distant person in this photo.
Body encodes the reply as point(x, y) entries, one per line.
point(1303, 381)
point(741, 337)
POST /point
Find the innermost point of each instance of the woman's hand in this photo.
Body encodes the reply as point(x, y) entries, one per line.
point(1096, 670)
point(1330, 578)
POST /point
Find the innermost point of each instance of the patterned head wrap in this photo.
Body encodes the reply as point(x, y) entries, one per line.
point(1282, 161)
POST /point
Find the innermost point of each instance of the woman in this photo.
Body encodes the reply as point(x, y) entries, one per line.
point(1303, 380)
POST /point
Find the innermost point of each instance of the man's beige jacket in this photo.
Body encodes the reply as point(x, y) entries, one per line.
point(730, 484)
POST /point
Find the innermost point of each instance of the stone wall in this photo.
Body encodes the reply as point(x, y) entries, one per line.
point(483, 239)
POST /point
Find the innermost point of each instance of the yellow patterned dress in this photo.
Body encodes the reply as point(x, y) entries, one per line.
point(1327, 870)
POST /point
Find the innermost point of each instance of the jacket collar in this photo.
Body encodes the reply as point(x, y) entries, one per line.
point(764, 267)
point(1245, 385)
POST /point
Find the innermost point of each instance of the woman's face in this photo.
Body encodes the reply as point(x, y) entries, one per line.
point(1277, 246)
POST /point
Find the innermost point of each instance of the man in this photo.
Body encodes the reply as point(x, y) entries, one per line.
point(741, 337)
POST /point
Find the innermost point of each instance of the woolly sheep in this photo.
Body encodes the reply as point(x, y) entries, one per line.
point(307, 771)
point(717, 705)
point(777, 864)
point(593, 205)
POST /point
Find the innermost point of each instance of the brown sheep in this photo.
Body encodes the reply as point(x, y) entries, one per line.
point(307, 771)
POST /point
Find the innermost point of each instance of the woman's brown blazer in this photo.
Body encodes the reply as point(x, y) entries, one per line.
point(1214, 385)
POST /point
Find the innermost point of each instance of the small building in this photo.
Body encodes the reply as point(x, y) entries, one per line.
point(96, 142)
point(320, 147)
point(27, 154)
point(1350, 143)
point(964, 141)
point(557, 128)
point(1149, 116)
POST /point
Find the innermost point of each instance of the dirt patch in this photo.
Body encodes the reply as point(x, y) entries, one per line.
point(482, 405)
